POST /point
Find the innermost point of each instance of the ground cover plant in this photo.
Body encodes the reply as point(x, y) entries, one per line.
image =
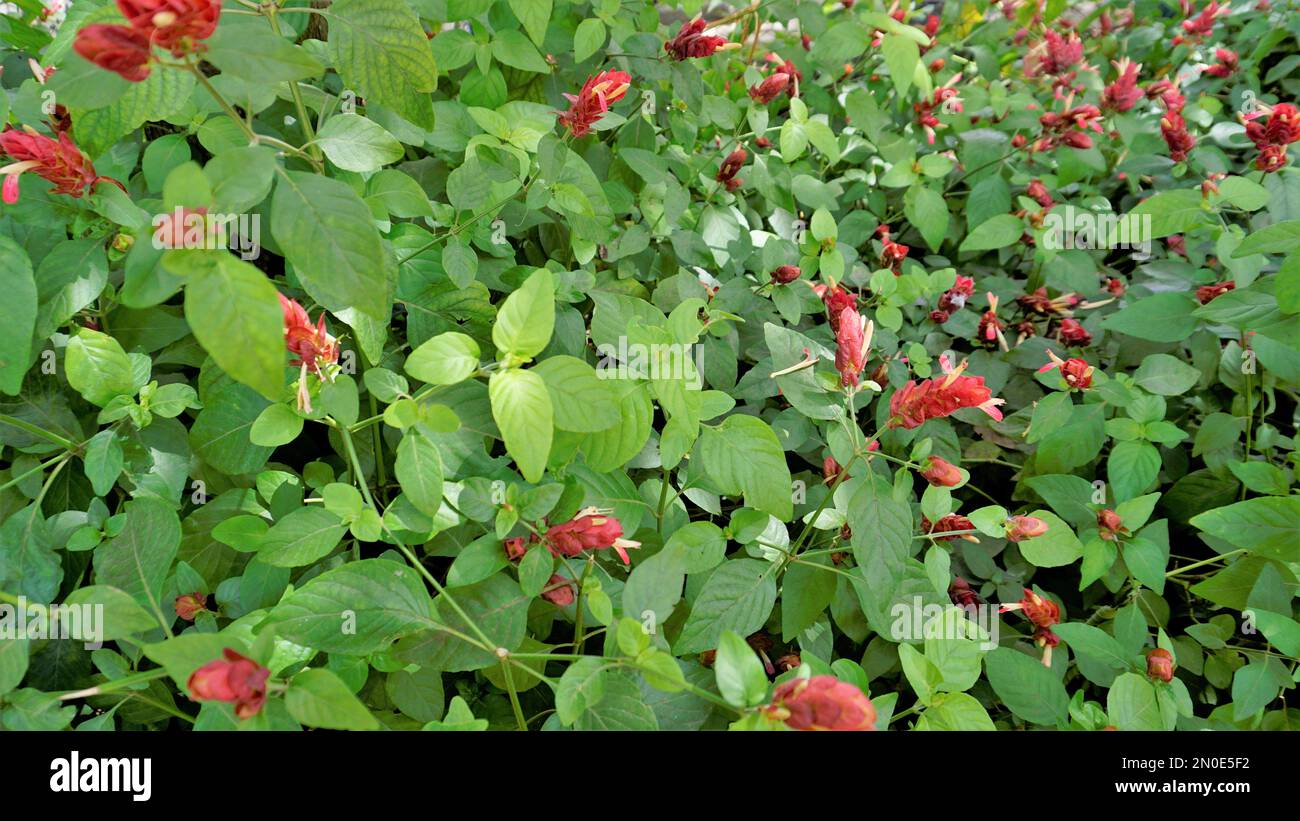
point(554, 364)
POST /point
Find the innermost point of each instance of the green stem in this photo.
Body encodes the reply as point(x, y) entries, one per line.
point(1178, 571)
point(35, 431)
point(514, 695)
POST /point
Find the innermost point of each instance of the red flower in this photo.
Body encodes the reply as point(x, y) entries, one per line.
point(731, 164)
point(120, 49)
point(941, 473)
point(1174, 130)
point(954, 299)
point(915, 403)
point(1043, 613)
point(515, 548)
point(1168, 93)
point(770, 88)
point(990, 327)
point(1020, 528)
point(1110, 525)
point(822, 703)
point(691, 41)
point(1124, 93)
point(1160, 665)
point(591, 529)
point(892, 253)
point(1076, 372)
point(590, 104)
point(830, 470)
point(311, 344)
point(173, 24)
point(561, 592)
point(1207, 293)
point(1040, 303)
point(182, 228)
point(786, 274)
point(1226, 65)
point(1072, 333)
point(1039, 193)
point(235, 679)
point(836, 299)
point(1054, 54)
point(962, 595)
point(851, 342)
point(189, 605)
point(58, 161)
point(1272, 136)
point(1202, 25)
point(788, 662)
point(948, 524)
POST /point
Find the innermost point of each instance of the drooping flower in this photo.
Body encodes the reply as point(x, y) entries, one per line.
point(770, 88)
point(836, 299)
point(591, 529)
point(1110, 525)
point(1271, 137)
point(515, 548)
point(732, 164)
point(785, 274)
point(58, 161)
point(1039, 193)
point(1039, 302)
point(1071, 332)
point(954, 299)
point(1208, 293)
point(235, 679)
point(916, 402)
point(1076, 372)
point(119, 49)
point(1020, 528)
point(1044, 614)
point(1173, 128)
point(560, 591)
point(830, 470)
point(939, 472)
point(990, 327)
point(963, 595)
point(892, 253)
point(691, 41)
point(190, 605)
point(822, 703)
point(852, 339)
point(1160, 665)
point(958, 526)
point(1226, 64)
point(593, 100)
point(179, 26)
point(1124, 93)
point(311, 344)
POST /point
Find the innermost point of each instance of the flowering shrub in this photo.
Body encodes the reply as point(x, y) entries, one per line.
point(596, 364)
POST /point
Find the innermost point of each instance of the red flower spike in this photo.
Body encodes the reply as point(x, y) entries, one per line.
point(822, 703)
point(234, 679)
point(593, 100)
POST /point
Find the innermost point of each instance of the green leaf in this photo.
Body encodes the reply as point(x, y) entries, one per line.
point(1057, 547)
point(356, 609)
point(1030, 690)
point(522, 409)
point(740, 676)
point(929, 213)
point(103, 460)
point(583, 402)
point(1132, 704)
point(304, 536)
point(807, 589)
point(744, 456)
point(444, 360)
point(1253, 688)
point(581, 687)
point(138, 560)
point(955, 711)
point(495, 605)
point(738, 596)
point(355, 143)
point(382, 53)
point(1132, 468)
point(902, 56)
point(1095, 643)
point(1166, 375)
point(235, 314)
point(1164, 317)
point(535, 15)
point(1267, 526)
point(277, 425)
point(326, 231)
point(1172, 212)
point(513, 49)
point(655, 586)
point(319, 698)
point(1279, 238)
point(98, 368)
point(994, 233)
point(526, 319)
point(249, 50)
point(17, 315)
point(588, 37)
point(419, 471)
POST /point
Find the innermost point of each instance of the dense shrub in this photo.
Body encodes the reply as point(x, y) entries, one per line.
point(562, 364)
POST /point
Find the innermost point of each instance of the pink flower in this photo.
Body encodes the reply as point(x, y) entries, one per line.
point(591, 529)
point(915, 403)
point(851, 343)
point(234, 679)
point(1020, 528)
point(822, 703)
point(190, 605)
point(58, 161)
point(940, 472)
